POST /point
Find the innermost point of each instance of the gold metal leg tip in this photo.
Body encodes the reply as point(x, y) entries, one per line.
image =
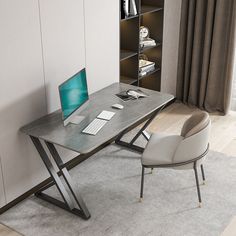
point(140, 199)
point(200, 205)
point(204, 182)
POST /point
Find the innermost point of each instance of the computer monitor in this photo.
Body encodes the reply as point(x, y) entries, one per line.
point(74, 97)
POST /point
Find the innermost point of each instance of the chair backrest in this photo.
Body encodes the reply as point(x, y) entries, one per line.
point(195, 131)
point(197, 122)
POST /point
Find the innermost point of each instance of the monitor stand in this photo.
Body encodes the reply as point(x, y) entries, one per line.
point(76, 118)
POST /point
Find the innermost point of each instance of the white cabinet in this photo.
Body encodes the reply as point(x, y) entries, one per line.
point(22, 94)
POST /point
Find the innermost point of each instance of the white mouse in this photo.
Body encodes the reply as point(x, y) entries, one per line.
point(117, 106)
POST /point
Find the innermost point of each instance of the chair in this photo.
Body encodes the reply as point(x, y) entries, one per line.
point(185, 151)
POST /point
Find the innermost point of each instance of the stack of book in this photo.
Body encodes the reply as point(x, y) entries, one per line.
point(148, 42)
point(145, 67)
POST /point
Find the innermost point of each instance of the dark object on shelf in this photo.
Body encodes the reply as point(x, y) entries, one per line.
point(122, 12)
point(132, 94)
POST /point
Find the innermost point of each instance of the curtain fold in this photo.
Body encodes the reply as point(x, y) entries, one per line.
point(206, 50)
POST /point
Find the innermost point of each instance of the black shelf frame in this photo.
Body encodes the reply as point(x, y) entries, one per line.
point(151, 15)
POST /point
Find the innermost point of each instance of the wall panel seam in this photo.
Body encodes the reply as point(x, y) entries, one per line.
point(3, 183)
point(42, 50)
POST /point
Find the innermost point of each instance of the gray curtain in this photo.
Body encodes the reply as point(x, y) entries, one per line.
point(206, 50)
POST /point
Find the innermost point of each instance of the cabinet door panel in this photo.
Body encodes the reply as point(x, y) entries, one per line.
point(22, 94)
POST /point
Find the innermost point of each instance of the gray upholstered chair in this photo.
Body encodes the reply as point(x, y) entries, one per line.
point(185, 151)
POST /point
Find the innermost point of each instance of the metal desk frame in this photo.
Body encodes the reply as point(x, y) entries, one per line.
point(68, 202)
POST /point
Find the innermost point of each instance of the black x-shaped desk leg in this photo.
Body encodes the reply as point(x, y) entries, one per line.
point(68, 203)
point(142, 131)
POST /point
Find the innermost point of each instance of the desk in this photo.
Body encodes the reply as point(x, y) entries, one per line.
point(50, 130)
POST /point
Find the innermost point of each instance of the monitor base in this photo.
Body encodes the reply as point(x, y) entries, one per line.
point(74, 120)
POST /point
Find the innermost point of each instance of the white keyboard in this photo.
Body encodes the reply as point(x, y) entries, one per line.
point(94, 126)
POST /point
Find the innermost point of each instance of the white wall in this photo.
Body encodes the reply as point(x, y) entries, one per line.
point(22, 94)
point(102, 42)
point(63, 37)
point(172, 11)
point(62, 24)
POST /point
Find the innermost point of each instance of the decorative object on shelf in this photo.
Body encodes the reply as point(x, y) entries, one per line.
point(145, 40)
point(133, 8)
point(145, 66)
point(122, 11)
point(128, 9)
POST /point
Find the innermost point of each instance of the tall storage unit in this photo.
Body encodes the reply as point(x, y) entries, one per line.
point(149, 14)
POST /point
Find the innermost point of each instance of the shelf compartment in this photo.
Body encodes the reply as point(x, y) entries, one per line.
point(150, 73)
point(152, 81)
point(129, 18)
point(127, 80)
point(125, 54)
point(149, 9)
point(154, 22)
point(129, 34)
point(150, 47)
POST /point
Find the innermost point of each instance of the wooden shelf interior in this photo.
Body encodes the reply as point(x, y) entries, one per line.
point(152, 81)
point(127, 80)
point(155, 55)
point(154, 22)
point(149, 9)
point(129, 69)
point(129, 35)
point(150, 14)
point(125, 54)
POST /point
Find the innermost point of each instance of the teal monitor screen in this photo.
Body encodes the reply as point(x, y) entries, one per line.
point(73, 93)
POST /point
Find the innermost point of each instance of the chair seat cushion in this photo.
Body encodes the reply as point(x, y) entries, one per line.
point(160, 149)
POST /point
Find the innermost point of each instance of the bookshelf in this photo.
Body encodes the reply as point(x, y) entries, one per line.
point(150, 14)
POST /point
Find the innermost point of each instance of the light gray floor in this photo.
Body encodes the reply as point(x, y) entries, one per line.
point(109, 183)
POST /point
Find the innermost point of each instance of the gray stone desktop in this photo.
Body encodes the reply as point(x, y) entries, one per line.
point(50, 127)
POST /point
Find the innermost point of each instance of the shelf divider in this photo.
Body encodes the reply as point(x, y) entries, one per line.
point(125, 54)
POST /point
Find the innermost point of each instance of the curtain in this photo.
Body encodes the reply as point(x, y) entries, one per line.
point(206, 50)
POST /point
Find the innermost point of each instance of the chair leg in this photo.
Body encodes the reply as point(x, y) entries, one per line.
point(203, 175)
point(142, 182)
point(197, 183)
point(151, 170)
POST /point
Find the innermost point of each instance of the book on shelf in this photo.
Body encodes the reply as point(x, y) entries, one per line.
point(143, 73)
point(145, 63)
point(128, 8)
point(145, 67)
point(147, 43)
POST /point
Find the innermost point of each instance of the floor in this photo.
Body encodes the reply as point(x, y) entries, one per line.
point(6, 231)
point(223, 138)
point(223, 132)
